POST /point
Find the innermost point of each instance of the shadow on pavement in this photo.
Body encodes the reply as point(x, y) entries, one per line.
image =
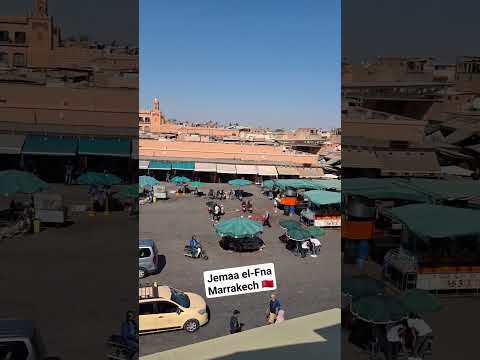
point(325, 350)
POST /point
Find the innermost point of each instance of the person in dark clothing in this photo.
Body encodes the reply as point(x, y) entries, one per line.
point(266, 219)
point(235, 325)
point(129, 333)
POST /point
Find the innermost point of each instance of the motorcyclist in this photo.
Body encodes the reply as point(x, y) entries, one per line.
point(194, 246)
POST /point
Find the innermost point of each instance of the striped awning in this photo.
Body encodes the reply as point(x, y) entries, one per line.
point(205, 167)
point(11, 144)
point(143, 164)
point(310, 172)
point(247, 169)
point(160, 165)
point(226, 169)
point(267, 170)
point(183, 165)
point(287, 170)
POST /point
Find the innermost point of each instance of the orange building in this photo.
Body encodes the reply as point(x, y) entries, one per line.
point(34, 41)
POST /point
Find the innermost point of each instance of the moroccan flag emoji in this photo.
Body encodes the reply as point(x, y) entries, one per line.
point(267, 284)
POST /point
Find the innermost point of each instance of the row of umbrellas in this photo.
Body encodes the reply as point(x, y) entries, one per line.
point(145, 180)
point(372, 305)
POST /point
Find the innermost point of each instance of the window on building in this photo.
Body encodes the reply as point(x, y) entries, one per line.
point(4, 36)
point(3, 58)
point(147, 120)
point(140, 119)
point(20, 37)
point(19, 59)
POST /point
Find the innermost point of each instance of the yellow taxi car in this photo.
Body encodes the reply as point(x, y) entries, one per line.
point(163, 308)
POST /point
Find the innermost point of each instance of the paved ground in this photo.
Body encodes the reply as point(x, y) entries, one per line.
point(305, 286)
point(45, 277)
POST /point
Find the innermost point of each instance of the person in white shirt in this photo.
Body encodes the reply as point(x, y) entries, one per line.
point(395, 340)
point(305, 248)
point(420, 331)
point(316, 244)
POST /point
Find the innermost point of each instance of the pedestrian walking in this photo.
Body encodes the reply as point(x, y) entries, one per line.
point(216, 213)
point(274, 307)
point(244, 207)
point(68, 172)
point(266, 219)
point(235, 324)
point(222, 209)
point(316, 245)
point(275, 205)
point(167, 177)
point(250, 206)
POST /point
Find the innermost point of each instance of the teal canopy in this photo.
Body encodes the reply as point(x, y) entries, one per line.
point(50, 145)
point(333, 184)
point(379, 309)
point(316, 231)
point(437, 221)
point(104, 147)
point(160, 165)
point(298, 234)
point(96, 178)
point(238, 228)
point(147, 181)
point(20, 182)
point(361, 286)
point(180, 179)
point(239, 182)
point(289, 224)
point(321, 197)
point(196, 184)
point(183, 165)
point(129, 191)
point(385, 188)
point(268, 184)
point(419, 301)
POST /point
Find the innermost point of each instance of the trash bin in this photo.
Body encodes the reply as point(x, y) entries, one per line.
point(36, 226)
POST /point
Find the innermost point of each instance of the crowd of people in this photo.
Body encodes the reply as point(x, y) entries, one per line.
point(407, 337)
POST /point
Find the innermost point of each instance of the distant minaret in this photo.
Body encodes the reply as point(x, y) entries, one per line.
point(156, 105)
point(40, 8)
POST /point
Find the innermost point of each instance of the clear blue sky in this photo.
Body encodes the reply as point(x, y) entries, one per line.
point(271, 63)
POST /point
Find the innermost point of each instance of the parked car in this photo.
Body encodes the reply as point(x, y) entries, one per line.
point(147, 258)
point(163, 308)
point(20, 340)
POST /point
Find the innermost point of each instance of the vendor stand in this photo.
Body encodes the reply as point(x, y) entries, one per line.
point(323, 208)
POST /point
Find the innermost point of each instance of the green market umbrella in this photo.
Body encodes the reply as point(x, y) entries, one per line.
point(147, 181)
point(196, 184)
point(289, 224)
point(96, 178)
point(238, 228)
point(239, 182)
point(420, 301)
point(130, 191)
point(15, 182)
point(268, 184)
point(316, 231)
point(180, 179)
point(361, 286)
point(379, 309)
point(298, 234)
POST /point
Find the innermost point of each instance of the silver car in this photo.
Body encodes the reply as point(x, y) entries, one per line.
point(147, 258)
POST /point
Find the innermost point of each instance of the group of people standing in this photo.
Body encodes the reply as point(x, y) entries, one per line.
point(275, 314)
point(311, 245)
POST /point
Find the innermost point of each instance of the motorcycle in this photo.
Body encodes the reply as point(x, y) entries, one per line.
point(187, 251)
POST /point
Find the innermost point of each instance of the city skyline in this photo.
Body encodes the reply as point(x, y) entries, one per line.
point(274, 64)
